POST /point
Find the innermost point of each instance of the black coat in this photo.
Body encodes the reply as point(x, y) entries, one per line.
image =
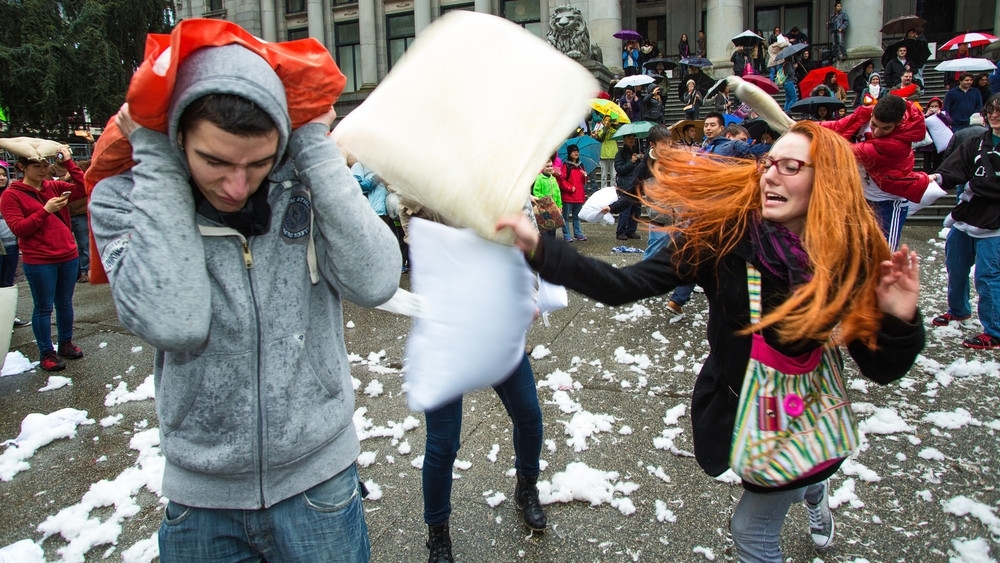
point(717, 389)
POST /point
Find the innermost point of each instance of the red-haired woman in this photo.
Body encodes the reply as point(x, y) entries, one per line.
point(785, 217)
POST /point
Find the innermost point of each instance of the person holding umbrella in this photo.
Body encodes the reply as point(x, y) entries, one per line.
point(894, 68)
point(683, 51)
point(960, 103)
point(630, 58)
point(572, 186)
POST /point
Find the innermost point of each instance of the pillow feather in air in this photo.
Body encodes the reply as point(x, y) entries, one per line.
point(30, 147)
point(467, 118)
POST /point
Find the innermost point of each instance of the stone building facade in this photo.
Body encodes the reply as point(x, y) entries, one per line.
point(367, 36)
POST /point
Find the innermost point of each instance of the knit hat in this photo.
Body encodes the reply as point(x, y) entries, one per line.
point(874, 74)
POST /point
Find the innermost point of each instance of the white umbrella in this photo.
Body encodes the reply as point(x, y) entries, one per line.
point(968, 63)
point(635, 80)
point(746, 39)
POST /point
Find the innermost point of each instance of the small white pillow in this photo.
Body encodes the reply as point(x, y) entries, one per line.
point(477, 308)
point(468, 117)
point(591, 210)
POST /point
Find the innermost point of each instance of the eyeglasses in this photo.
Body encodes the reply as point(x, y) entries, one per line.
point(784, 166)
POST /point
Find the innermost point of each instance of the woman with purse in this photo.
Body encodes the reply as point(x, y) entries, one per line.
point(767, 241)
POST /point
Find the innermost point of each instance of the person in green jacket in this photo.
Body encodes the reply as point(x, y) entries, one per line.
point(546, 184)
point(605, 132)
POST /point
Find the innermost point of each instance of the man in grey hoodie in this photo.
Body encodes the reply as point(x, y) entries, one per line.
point(229, 246)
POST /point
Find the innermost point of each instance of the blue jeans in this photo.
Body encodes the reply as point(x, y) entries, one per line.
point(571, 212)
point(325, 523)
point(837, 37)
point(81, 232)
point(8, 265)
point(962, 251)
point(791, 94)
point(657, 240)
point(52, 284)
point(890, 216)
point(444, 428)
point(757, 522)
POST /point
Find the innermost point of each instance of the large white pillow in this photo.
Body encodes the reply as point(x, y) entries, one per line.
point(477, 308)
point(468, 117)
point(30, 147)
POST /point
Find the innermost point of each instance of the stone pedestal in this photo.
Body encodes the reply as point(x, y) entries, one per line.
point(599, 71)
point(863, 38)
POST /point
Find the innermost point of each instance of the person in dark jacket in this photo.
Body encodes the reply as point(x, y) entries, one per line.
point(823, 280)
point(627, 162)
point(974, 237)
point(652, 105)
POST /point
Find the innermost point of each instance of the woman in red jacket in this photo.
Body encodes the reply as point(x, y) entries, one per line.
point(35, 211)
point(571, 187)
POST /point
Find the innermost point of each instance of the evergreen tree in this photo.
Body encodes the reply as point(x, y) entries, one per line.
point(64, 61)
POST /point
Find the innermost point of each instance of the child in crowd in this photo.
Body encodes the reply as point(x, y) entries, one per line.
point(546, 184)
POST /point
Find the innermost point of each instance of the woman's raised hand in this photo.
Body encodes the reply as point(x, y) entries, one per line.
point(899, 284)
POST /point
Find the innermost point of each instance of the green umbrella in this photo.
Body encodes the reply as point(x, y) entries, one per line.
point(640, 129)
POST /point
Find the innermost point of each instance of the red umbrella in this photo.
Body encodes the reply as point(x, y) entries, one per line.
point(818, 76)
point(762, 82)
point(973, 39)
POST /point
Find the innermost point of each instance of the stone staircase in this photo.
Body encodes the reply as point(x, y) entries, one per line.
point(673, 111)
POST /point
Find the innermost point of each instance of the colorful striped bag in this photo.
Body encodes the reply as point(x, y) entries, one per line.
point(794, 418)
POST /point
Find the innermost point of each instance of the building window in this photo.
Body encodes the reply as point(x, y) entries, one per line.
point(295, 6)
point(400, 31)
point(470, 7)
point(525, 13)
point(786, 17)
point(655, 29)
point(344, 2)
point(214, 5)
point(349, 53)
point(298, 33)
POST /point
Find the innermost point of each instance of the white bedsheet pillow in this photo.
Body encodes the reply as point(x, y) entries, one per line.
point(477, 308)
point(468, 117)
point(591, 210)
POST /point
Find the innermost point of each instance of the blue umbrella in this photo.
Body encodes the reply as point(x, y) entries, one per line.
point(590, 151)
point(789, 51)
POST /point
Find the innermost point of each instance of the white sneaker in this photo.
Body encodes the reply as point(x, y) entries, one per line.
point(821, 519)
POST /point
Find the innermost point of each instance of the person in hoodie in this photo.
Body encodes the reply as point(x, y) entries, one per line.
point(883, 137)
point(230, 246)
point(35, 210)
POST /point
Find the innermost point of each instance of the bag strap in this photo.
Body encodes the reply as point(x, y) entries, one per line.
point(753, 287)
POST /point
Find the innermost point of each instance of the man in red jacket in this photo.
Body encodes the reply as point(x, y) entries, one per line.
point(883, 137)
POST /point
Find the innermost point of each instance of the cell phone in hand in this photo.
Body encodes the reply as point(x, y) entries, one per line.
point(66, 194)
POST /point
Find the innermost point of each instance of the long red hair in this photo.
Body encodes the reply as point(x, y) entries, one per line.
point(713, 200)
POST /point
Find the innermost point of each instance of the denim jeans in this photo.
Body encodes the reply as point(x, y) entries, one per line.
point(325, 523)
point(757, 522)
point(444, 428)
point(571, 212)
point(8, 265)
point(962, 251)
point(81, 232)
point(657, 240)
point(890, 216)
point(52, 284)
point(627, 224)
point(791, 94)
point(837, 38)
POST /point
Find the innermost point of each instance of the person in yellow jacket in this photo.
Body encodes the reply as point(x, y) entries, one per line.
point(605, 132)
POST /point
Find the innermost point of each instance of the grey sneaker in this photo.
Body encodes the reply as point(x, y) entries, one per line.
point(821, 519)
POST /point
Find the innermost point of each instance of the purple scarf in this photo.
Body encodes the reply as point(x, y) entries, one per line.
point(779, 251)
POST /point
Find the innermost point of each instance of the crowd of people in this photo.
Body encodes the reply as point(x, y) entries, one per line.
point(745, 203)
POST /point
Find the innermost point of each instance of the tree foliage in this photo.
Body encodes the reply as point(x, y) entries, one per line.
point(63, 60)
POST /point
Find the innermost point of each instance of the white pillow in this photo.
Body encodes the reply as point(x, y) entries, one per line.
point(591, 210)
point(477, 308)
point(939, 132)
point(30, 147)
point(468, 117)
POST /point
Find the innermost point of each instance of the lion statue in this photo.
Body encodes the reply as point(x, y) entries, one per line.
point(568, 32)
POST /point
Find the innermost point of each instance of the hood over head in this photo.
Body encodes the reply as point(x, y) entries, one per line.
point(230, 69)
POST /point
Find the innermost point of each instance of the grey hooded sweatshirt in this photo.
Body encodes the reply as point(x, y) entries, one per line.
point(253, 388)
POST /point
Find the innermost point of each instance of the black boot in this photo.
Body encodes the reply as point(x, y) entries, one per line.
point(439, 542)
point(526, 496)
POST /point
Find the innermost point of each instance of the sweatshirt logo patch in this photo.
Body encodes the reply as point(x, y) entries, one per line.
point(114, 251)
point(295, 224)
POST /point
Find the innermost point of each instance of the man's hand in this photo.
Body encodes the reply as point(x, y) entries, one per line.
point(124, 121)
point(327, 118)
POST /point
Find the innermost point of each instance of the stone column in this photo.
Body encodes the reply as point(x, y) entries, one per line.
point(369, 60)
point(604, 19)
point(863, 38)
point(724, 21)
point(421, 15)
point(545, 12)
point(268, 25)
point(483, 6)
point(996, 17)
point(314, 11)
